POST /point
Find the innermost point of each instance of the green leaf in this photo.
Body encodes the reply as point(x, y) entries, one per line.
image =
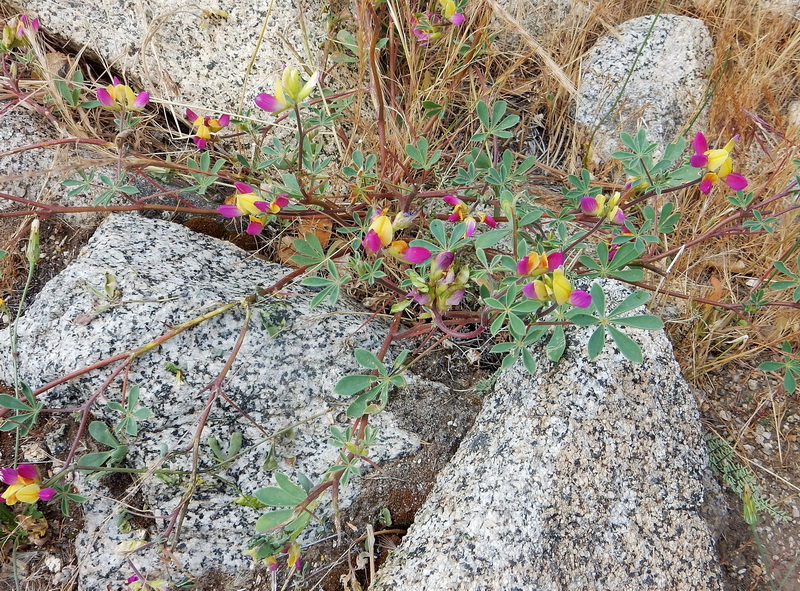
point(645, 321)
point(771, 366)
point(627, 346)
point(95, 460)
point(99, 430)
point(290, 488)
point(273, 519)
point(359, 406)
point(528, 361)
point(789, 383)
point(596, 342)
point(633, 301)
point(368, 359)
point(277, 497)
point(7, 401)
point(349, 385)
point(583, 320)
point(557, 344)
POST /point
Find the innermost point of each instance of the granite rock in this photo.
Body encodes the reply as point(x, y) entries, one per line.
point(283, 378)
point(191, 52)
point(544, 18)
point(586, 475)
point(665, 90)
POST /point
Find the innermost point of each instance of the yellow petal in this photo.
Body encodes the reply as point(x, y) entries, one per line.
point(726, 168)
point(308, 88)
point(383, 228)
point(246, 203)
point(716, 158)
point(561, 287)
point(29, 493)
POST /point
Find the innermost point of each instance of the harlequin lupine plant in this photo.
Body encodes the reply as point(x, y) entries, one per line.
point(118, 96)
point(245, 201)
point(16, 31)
point(462, 213)
point(24, 485)
point(718, 163)
point(207, 127)
point(290, 90)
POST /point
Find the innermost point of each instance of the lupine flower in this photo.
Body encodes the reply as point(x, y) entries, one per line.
point(444, 286)
point(449, 11)
point(408, 254)
point(426, 27)
point(597, 207)
point(461, 213)
point(118, 96)
point(718, 163)
point(294, 559)
point(14, 31)
point(536, 264)
point(205, 127)
point(24, 485)
point(556, 287)
point(289, 91)
point(246, 202)
point(379, 235)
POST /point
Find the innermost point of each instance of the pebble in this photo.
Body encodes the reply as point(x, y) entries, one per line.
point(725, 416)
point(753, 385)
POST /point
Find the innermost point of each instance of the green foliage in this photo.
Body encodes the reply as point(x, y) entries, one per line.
point(207, 173)
point(26, 411)
point(794, 282)
point(790, 366)
point(103, 435)
point(131, 415)
point(737, 475)
point(374, 388)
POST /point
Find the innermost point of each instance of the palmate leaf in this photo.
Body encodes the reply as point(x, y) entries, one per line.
point(627, 346)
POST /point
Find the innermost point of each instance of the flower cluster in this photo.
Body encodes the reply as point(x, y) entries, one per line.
point(598, 207)
point(246, 202)
point(380, 235)
point(24, 485)
point(119, 96)
point(290, 90)
point(552, 284)
point(429, 26)
point(445, 286)
point(718, 163)
point(16, 31)
point(461, 213)
point(206, 126)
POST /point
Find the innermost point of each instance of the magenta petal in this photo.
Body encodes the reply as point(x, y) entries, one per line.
point(254, 228)
point(735, 181)
point(490, 221)
point(199, 142)
point(555, 260)
point(529, 290)
point(371, 242)
point(47, 494)
point(242, 188)
point(580, 299)
point(442, 261)
point(224, 120)
point(28, 471)
point(705, 186)
point(229, 211)
point(451, 200)
point(457, 19)
point(588, 205)
point(104, 97)
point(268, 103)
point(698, 160)
point(619, 217)
point(141, 100)
point(454, 217)
point(262, 206)
point(455, 298)
point(416, 254)
point(523, 266)
point(699, 144)
point(471, 223)
point(190, 115)
point(8, 475)
point(116, 81)
point(281, 201)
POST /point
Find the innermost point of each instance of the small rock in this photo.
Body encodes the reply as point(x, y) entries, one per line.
point(752, 385)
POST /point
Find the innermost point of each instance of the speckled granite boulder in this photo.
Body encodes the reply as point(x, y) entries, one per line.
point(665, 90)
point(586, 475)
point(196, 52)
point(283, 379)
point(36, 174)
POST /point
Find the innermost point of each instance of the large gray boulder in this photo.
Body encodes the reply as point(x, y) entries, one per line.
point(664, 92)
point(586, 475)
point(192, 52)
point(290, 359)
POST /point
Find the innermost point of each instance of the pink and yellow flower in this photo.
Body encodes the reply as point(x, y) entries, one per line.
point(119, 96)
point(450, 12)
point(414, 255)
point(247, 202)
point(462, 213)
point(536, 264)
point(16, 31)
point(379, 235)
point(206, 126)
point(24, 485)
point(718, 163)
point(556, 287)
point(597, 207)
point(289, 91)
